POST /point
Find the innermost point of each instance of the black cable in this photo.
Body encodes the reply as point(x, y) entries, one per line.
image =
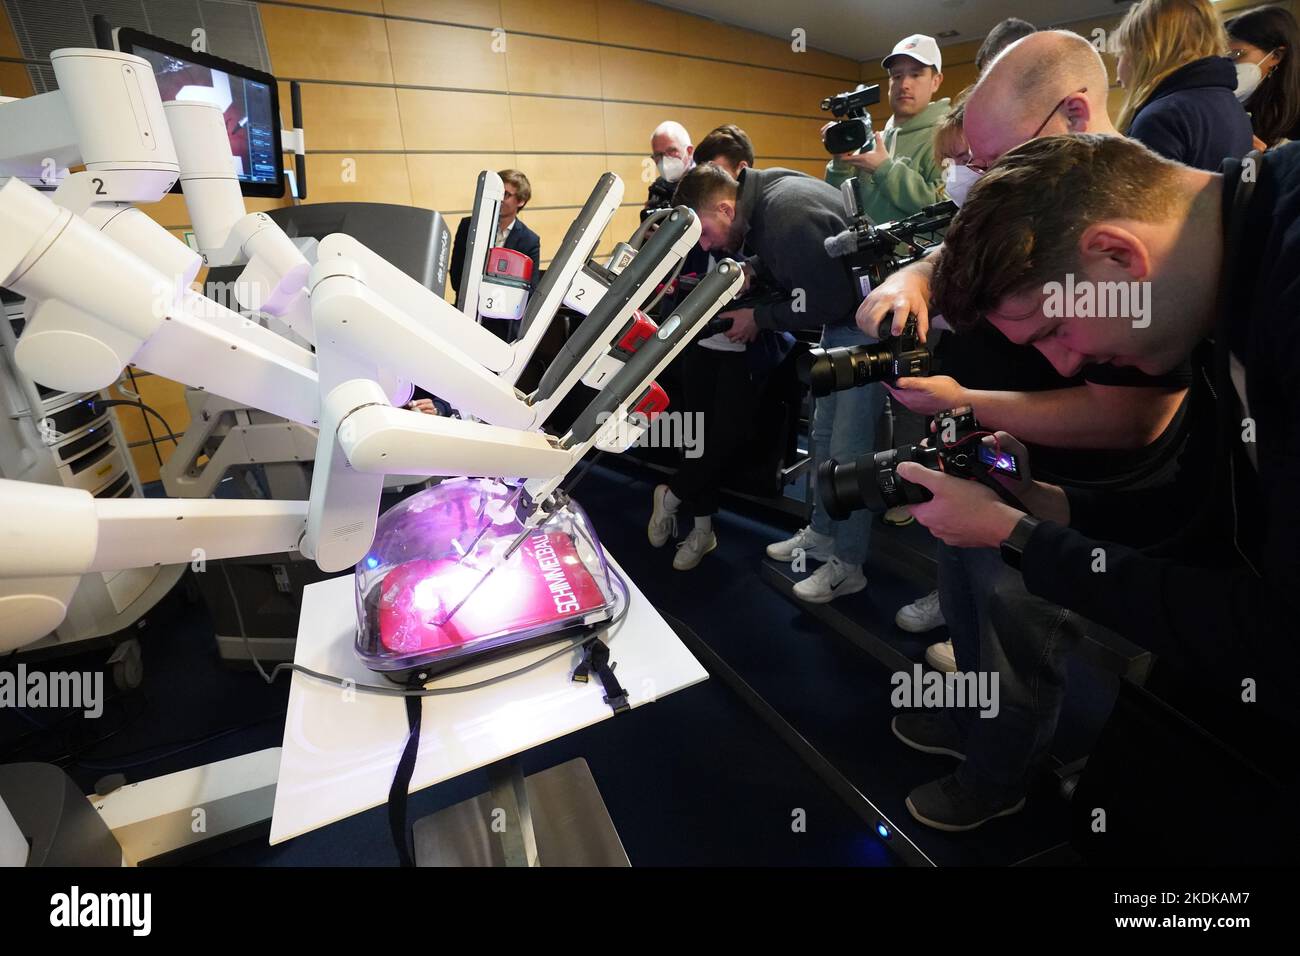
point(153, 442)
point(616, 620)
point(109, 402)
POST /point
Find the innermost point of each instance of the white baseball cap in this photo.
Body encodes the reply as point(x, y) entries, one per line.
point(919, 47)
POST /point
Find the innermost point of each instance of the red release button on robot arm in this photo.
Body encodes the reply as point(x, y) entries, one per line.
point(654, 401)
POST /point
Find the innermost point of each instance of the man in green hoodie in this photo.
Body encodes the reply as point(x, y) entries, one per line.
point(899, 176)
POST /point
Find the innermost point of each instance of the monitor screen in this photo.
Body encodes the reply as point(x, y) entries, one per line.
point(249, 99)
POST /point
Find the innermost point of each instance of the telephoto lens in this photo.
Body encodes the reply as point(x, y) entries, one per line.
point(872, 482)
point(832, 370)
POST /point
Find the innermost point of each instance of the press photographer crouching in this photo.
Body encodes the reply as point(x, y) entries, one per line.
point(783, 219)
point(1219, 256)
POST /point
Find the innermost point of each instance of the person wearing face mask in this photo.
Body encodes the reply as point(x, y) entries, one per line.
point(673, 154)
point(1263, 42)
point(1180, 84)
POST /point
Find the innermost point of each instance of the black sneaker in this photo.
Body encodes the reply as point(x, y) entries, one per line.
point(945, 804)
point(931, 732)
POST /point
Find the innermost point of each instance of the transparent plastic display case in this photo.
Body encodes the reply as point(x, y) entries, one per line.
point(437, 590)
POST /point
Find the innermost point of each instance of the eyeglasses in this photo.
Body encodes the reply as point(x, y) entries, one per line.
point(982, 169)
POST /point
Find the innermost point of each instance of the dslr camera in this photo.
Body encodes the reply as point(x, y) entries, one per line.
point(833, 370)
point(872, 481)
point(853, 132)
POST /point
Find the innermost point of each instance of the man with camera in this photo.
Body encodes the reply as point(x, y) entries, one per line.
point(1016, 389)
point(897, 173)
point(1220, 256)
point(783, 218)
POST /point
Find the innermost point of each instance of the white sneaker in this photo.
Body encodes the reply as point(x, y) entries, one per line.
point(813, 544)
point(663, 523)
point(833, 579)
point(691, 551)
point(923, 614)
point(941, 657)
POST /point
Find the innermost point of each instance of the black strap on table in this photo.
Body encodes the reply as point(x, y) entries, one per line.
point(595, 657)
point(397, 793)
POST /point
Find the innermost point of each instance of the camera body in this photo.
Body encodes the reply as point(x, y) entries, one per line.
point(853, 132)
point(832, 370)
point(872, 481)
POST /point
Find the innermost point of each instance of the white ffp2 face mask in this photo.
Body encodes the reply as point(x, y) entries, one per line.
point(1249, 76)
point(671, 168)
point(957, 182)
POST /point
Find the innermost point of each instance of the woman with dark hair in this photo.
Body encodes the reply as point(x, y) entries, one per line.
point(1263, 42)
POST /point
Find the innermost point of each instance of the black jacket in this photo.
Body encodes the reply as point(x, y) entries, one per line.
point(1193, 116)
point(786, 217)
point(521, 239)
point(1218, 596)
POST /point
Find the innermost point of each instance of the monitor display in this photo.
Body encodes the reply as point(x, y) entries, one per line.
point(248, 98)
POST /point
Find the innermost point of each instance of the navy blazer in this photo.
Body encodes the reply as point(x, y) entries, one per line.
point(521, 239)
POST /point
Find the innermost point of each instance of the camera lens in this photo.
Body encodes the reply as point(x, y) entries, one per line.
point(833, 370)
point(872, 482)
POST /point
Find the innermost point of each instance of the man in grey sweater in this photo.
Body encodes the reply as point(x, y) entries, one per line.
point(782, 218)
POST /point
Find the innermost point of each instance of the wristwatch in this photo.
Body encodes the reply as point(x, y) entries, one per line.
point(1013, 548)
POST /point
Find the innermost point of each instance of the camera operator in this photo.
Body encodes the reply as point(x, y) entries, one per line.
point(783, 218)
point(898, 175)
point(1220, 254)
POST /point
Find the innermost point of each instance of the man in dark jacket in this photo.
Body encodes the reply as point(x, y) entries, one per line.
point(1219, 258)
point(783, 218)
point(511, 232)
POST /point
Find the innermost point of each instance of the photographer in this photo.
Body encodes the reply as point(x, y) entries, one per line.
point(783, 218)
point(1220, 254)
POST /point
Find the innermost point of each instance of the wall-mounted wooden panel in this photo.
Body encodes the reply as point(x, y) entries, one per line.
point(14, 80)
point(541, 123)
point(312, 44)
point(708, 83)
point(631, 23)
point(477, 13)
point(427, 54)
point(555, 67)
point(784, 136)
point(576, 19)
point(708, 38)
point(446, 182)
point(347, 117)
point(8, 41)
point(813, 167)
point(433, 119)
point(361, 177)
point(632, 170)
point(560, 180)
point(628, 125)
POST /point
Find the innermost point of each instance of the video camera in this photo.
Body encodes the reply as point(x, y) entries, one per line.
point(872, 480)
point(853, 133)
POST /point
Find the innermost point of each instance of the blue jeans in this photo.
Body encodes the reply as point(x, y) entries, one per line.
point(844, 428)
point(997, 626)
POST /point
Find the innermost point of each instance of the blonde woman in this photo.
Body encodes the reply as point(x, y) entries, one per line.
point(1173, 63)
